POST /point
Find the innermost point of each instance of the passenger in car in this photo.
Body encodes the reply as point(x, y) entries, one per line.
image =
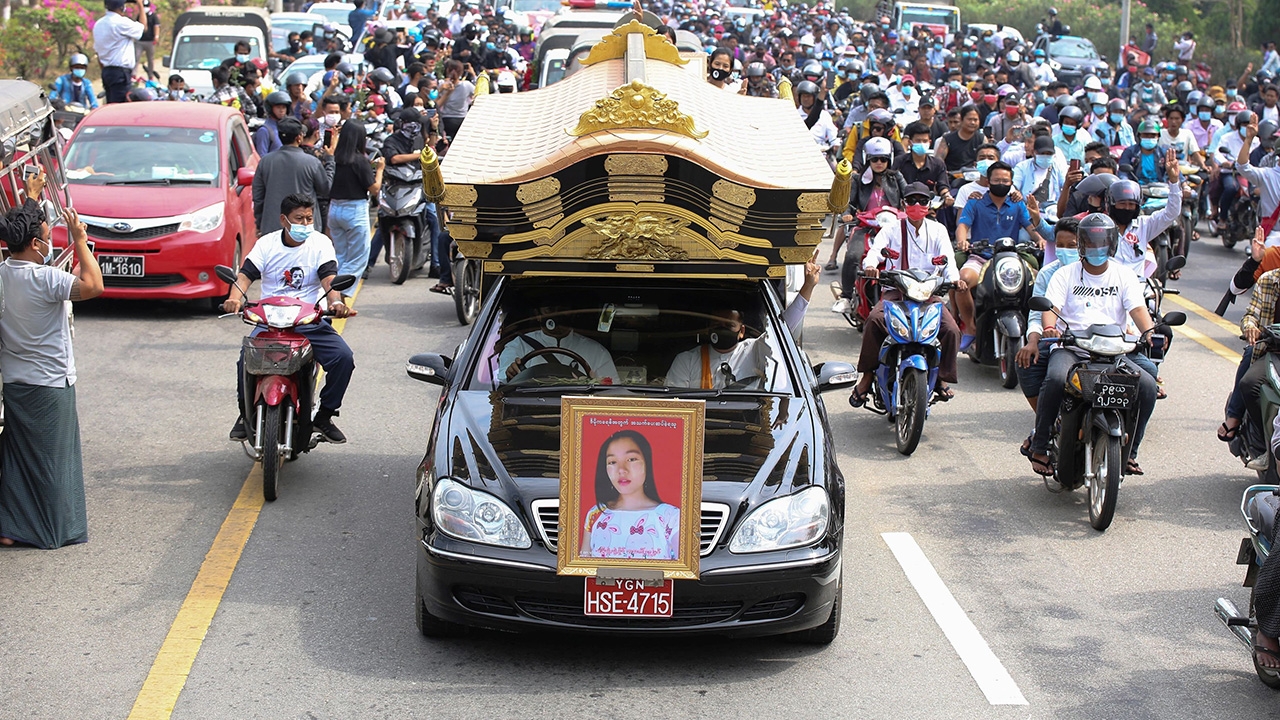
point(556, 333)
point(730, 359)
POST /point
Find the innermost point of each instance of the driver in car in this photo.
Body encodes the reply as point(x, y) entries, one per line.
point(556, 334)
point(730, 358)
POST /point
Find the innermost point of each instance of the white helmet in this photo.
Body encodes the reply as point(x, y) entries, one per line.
point(78, 59)
point(878, 147)
point(1093, 84)
point(1014, 57)
point(507, 79)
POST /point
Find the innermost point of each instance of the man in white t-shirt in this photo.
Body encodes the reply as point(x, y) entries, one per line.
point(1094, 291)
point(298, 262)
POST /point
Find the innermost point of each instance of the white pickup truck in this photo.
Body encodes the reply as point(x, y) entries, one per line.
point(204, 37)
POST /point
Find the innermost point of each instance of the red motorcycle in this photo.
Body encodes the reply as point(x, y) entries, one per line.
point(866, 291)
point(279, 379)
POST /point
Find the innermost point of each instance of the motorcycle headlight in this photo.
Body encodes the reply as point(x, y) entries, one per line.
point(786, 522)
point(920, 291)
point(930, 321)
point(204, 220)
point(279, 316)
point(897, 324)
point(1156, 191)
point(465, 513)
point(1009, 275)
point(1108, 345)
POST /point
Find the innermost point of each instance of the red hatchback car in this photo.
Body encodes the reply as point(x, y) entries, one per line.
point(164, 188)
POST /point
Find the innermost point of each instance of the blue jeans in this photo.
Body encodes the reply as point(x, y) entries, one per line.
point(1230, 189)
point(440, 241)
point(330, 351)
point(1236, 403)
point(349, 230)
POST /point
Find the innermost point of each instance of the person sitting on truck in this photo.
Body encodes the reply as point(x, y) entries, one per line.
point(74, 88)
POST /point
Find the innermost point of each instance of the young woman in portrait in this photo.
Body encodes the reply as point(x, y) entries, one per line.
point(629, 520)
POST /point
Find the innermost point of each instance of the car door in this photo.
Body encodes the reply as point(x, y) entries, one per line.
point(240, 198)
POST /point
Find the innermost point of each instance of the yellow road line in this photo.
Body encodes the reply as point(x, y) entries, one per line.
point(1226, 353)
point(1212, 317)
point(169, 671)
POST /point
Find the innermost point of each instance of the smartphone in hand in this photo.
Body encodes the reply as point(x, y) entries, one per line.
point(1075, 165)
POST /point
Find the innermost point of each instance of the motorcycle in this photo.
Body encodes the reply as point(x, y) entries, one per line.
point(279, 379)
point(903, 385)
point(1099, 414)
point(1251, 441)
point(1242, 219)
point(1190, 208)
point(1258, 506)
point(401, 205)
point(1000, 306)
point(866, 291)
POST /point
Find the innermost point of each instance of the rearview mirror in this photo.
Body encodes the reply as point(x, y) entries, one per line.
point(225, 274)
point(1175, 318)
point(342, 282)
point(244, 176)
point(168, 61)
point(834, 375)
point(1040, 303)
point(1177, 262)
point(1127, 169)
point(429, 368)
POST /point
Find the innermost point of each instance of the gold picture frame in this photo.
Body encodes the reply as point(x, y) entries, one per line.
point(645, 457)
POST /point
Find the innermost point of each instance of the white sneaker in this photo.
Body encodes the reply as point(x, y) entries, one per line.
point(842, 306)
point(1260, 463)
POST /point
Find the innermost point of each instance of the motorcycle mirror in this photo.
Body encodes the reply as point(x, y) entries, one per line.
point(342, 282)
point(1126, 169)
point(225, 274)
point(1175, 318)
point(1041, 304)
point(1177, 262)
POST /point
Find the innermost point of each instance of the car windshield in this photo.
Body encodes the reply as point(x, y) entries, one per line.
point(949, 17)
point(550, 336)
point(206, 52)
point(336, 14)
point(109, 155)
point(535, 5)
point(1073, 48)
point(305, 66)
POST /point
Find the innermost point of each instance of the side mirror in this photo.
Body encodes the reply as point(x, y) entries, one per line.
point(244, 176)
point(430, 368)
point(167, 60)
point(1177, 262)
point(1040, 303)
point(834, 375)
point(1175, 318)
point(225, 274)
point(1126, 169)
point(342, 282)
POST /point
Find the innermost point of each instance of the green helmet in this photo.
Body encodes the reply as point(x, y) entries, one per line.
point(1149, 126)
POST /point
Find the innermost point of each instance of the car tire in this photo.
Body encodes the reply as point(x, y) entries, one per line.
point(825, 633)
point(430, 625)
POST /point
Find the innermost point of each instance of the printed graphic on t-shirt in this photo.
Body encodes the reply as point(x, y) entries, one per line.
point(293, 278)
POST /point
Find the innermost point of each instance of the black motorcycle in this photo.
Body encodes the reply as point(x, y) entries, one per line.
point(1000, 306)
point(1251, 441)
point(401, 205)
point(1099, 414)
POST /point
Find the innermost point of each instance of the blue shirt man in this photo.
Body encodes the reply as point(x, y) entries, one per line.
point(356, 19)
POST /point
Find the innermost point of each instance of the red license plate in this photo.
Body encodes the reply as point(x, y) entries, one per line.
point(628, 598)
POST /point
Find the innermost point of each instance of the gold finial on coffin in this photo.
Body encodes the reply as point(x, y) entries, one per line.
point(432, 179)
point(839, 198)
point(784, 90)
point(482, 84)
point(633, 236)
point(636, 106)
point(614, 45)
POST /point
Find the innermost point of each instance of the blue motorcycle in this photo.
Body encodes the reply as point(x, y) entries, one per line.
point(911, 354)
point(1259, 507)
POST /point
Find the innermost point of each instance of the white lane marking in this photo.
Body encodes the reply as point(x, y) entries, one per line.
point(986, 669)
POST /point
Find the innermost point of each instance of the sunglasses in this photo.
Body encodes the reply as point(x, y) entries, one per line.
point(876, 127)
point(916, 200)
point(878, 159)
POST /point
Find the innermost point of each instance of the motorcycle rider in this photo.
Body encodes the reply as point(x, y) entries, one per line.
point(1144, 158)
point(758, 84)
point(1070, 137)
point(878, 186)
point(74, 88)
point(919, 166)
point(1116, 131)
point(1033, 358)
point(822, 128)
point(1222, 162)
point(1099, 292)
point(1267, 180)
point(988, 154)
point(926, 245)
point(1148, 92)
point(298, 262)
point(1252, 374)
point(267, 138)
point(1136, 231)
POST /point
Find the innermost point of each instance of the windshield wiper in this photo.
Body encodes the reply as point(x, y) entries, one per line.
point(735, 392)
point(160, 181)
point(556, 389)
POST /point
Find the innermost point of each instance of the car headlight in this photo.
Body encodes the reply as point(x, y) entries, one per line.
point(280, 316)
point(1108, 345)
point(785, 522)
point(465, 513)
point(203, 220)
point(1009, 274)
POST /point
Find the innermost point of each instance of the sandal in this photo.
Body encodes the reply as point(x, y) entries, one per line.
point(1026, 447)
point(831, 265)
point(1227, 434)
point(943, 393)
point(442, 289)
point(1275, 657)
point(1041, 467)
point(1132, 467)
point(966, 341)
point(858, 399)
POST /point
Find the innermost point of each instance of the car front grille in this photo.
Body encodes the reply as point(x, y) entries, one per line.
point(569, 612)
point(775, 608)
point(146, 281)
point(103, 233)
point(714, 516)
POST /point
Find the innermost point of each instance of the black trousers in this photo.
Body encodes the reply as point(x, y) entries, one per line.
point(116, 82)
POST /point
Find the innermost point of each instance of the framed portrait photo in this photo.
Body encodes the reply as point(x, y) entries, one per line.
point(630, 485)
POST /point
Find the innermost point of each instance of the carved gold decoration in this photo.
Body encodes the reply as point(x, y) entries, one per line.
point(724, 227)
point(636, 106)
point(432, 180)
point(537, 190)
point(459, 195)
point(809, 237)
point(795, 255)
point(631, 267)
point(634, 236)
point(784, 90)
point(635, 165)
point(549, 221)
point(614, 45)
point(839, 197)
point(812, 203)
point(776, 271)
point(482, 84)
point(475, 250)
point(462, 232)
point(491, 266)
point(734, 193)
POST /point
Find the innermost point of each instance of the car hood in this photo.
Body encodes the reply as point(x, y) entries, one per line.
point(141, 201)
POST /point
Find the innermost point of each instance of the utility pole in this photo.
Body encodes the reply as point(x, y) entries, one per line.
point(1124, 34)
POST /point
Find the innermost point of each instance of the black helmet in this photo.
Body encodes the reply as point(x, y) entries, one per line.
point(1206, 101)
point(1064, 100)
point(1071, 112)
point(1122, 191)
point(141, 94)
point(1183, 88)
point(813, 68)
point(755, 69)
point(1053, 11)
point(345, 68)
point(1118, 105)
point(278, 97)
point(1097, 185)
point(297, 77)
point(382, 75)
point(1180, 70)
point(1267, 133)
point(1097, 230)
point(807, 87)
point(1242, 118)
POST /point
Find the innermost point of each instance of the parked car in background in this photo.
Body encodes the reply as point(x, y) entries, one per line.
point(204, 37)
point(289, 22)
point(335, 13)
point(164, 190)
point(1072, 58)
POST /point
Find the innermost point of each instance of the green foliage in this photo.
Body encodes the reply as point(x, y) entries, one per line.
point(26, 45)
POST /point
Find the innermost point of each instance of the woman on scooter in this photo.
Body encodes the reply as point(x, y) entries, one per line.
point(877, 187)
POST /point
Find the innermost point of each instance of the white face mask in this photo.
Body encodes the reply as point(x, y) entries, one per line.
point(332, 119)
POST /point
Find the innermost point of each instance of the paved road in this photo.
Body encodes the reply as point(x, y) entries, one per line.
point(317, 620)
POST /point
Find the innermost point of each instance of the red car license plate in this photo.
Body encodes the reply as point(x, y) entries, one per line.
point(628, 598)
point(122, 265)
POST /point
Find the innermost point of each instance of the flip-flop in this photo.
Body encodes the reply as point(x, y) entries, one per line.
point(858, 399)
point(1275, 655)
point(1041, 467)
point(943, 393)
point(966, 341)
point(442, 289)
point(1227, 434)
point(831, 265)
point(1026, 447)
point(1131, 467)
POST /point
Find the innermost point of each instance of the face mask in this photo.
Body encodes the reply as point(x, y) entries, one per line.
point(723, 338)
point(982, 166)
point(917, 212)
point(433, 94)
point(857, 49)
point(1098, 110)
point(78, 72)
point(907, 90)
point(990, 100)
point(299, 233)
point(1067, 256)
point(1242, 131)
point(1146, 83)
point(1044, 161)
point(1122, 217)
point(332, 119)
point(1039, 61)
point(920, 148)
point(1205, 115)
point(410, 129)
point(937, 46)
point(242, 58)
point(1231, 93)
point(719, 75)
point(1116, 118)
point(1011, 111)
point(1068, 131)
point(311, 48)
point(954, 84)
point(826, 64)
point(999, 190)
point(1096, 256)
point(1148, 143)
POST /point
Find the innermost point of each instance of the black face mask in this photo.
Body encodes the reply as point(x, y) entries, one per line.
point(1122, 218)
point(723, 338)
point(720, 75)
point(999, 190)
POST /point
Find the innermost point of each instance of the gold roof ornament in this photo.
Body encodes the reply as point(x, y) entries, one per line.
point(784, 90)
point(614, 45)
point(636, 106)
point(636, 236)
point(432, 178)
point(840, 186)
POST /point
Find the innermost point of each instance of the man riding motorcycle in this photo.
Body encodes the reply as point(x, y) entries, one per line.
point(1115, 132)
point(1136, 231)
point(1144, 158)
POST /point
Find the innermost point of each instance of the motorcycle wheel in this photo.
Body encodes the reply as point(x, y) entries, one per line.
point(466, 290)
point(1008, 370)
point(272, 459)
point(1188, 227)
point(851, 317)
point(1108, 463)
point(914, 391)
point(400, 259)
